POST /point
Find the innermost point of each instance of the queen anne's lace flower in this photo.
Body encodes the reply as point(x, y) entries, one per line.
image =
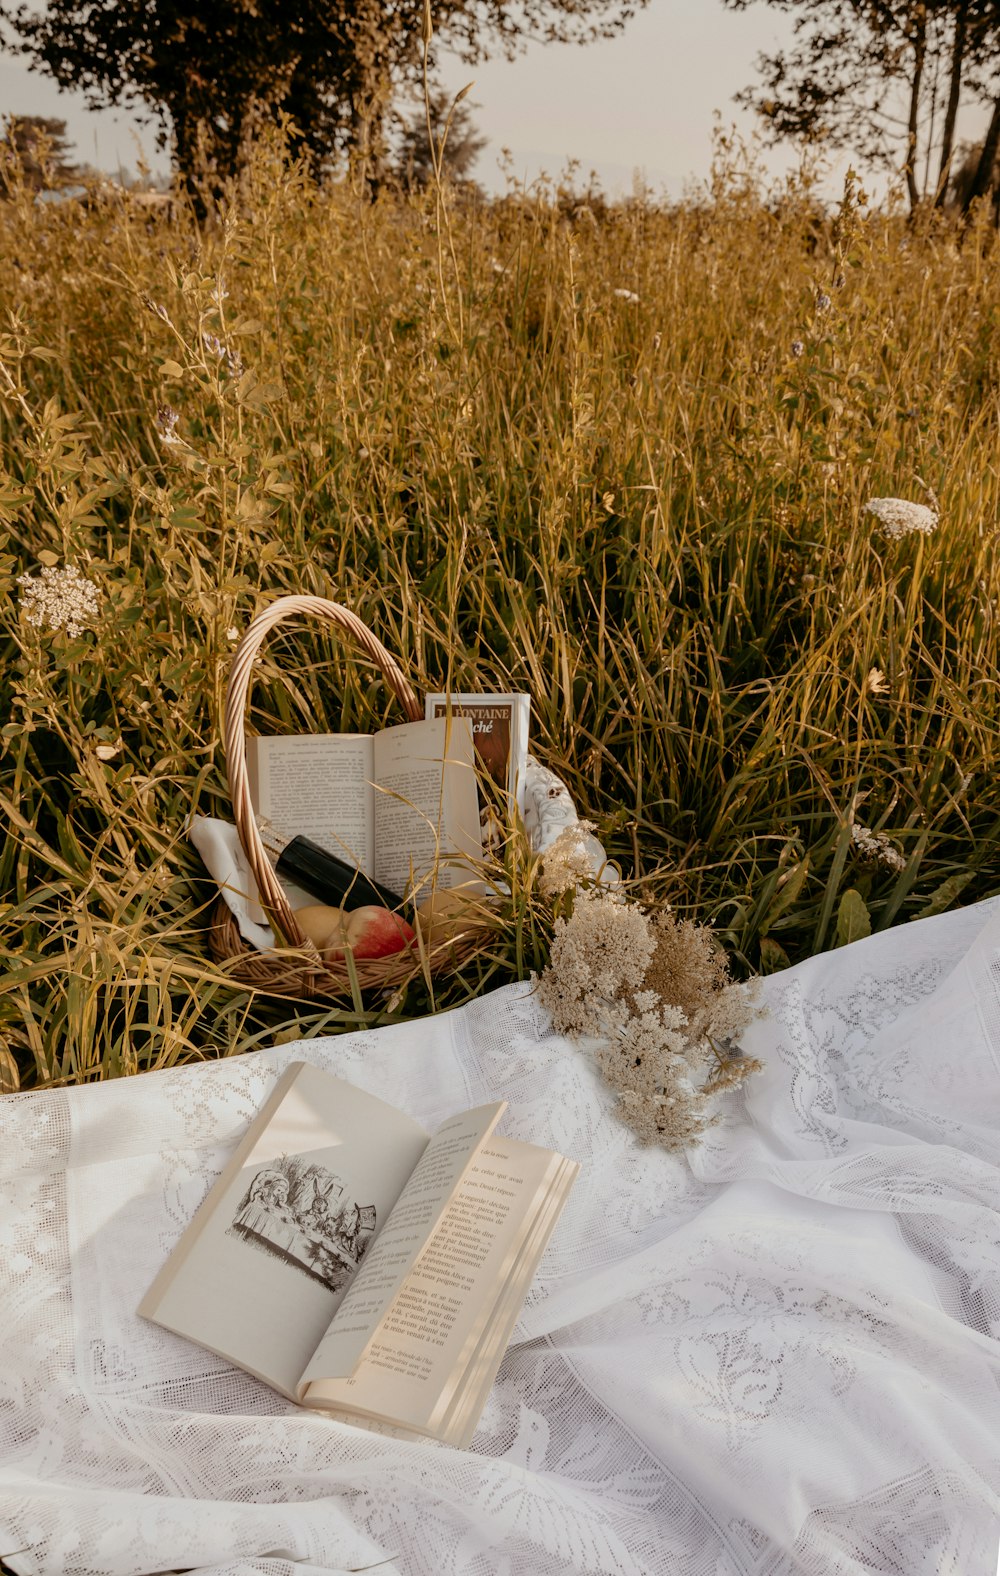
point(567, 862)
point(655, 993)
point(59, 599)
point(898, 517)
point(601, 950)
point(876, 848)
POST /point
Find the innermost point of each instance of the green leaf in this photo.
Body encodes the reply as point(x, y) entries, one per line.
point(944, 895)
point(772, 956)
point(853, 919)
point(786, 895)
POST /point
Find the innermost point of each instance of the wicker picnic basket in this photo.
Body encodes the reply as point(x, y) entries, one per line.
point(299, 969)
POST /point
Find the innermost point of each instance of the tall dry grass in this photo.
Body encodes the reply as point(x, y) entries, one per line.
point(649, 512)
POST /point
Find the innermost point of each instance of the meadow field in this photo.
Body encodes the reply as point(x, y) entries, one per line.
point(616, 455)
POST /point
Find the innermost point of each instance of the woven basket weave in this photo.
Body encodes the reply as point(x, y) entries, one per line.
point(300, 969)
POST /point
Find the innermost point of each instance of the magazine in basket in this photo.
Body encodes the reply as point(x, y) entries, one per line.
point(360, 1266)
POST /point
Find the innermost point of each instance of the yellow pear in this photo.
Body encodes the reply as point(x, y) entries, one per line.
point(453, 911)
point(320, 923)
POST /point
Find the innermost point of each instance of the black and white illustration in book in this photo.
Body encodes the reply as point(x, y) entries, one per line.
point(302, 1213)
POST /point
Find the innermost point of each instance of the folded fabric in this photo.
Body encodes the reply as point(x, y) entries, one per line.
point(779, 1357)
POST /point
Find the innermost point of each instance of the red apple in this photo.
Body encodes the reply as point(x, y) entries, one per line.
point(372, 932)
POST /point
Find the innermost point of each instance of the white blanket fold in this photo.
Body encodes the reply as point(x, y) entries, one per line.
point(780, 1357)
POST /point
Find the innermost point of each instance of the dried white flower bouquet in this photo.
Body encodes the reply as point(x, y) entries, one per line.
point(652, 990)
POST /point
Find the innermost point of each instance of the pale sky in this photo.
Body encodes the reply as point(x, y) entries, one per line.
point(641, 102)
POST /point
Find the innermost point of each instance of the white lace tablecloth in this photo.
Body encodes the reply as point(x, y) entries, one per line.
point(780, 1359)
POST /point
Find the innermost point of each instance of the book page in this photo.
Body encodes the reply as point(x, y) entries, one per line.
point(271, 1253)
point(317, 785)
point(470, 1393)
point(418, 1357)
point(425, 802)
point(425, 1198)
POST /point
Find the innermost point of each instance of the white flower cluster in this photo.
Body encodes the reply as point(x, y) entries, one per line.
point(898, 517)
point(655, 994)
point(627, 295)
point(569, 861)
point(59, 599)
point(876, 848)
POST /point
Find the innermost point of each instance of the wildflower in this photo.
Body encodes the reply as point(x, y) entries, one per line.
point(166, 423)
point(823, 302)
point(876, 848)
point(567, 861)
point(656, 994)
point(59, 599)
point(497, 266)
point(219, 294)
point(626, 295)
point(798, 348)
point(217, 347)
point(877, 682)
point(602, 948)
point(898, 517)
point(156, 308)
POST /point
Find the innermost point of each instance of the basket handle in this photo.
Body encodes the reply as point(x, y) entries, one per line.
point(237, 695)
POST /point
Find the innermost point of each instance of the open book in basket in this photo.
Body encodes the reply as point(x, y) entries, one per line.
point(350, 838)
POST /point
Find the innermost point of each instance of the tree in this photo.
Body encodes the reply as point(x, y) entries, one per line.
point(39, 148)
point(462, 146)
point(884, 78)
point(206, 70)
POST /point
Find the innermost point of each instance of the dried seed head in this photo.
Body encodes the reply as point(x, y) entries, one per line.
point(877, 682)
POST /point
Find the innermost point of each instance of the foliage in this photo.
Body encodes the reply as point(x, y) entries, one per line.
point(210, 74)
point(885, 81)
point(619, 458)
point(36, 148)
point(438, 125)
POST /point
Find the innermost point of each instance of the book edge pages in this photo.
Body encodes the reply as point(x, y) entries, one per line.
point(460, 1426)
point(498, 1290)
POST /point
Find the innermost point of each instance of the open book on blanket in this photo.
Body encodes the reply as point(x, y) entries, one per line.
point(359, 1265)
